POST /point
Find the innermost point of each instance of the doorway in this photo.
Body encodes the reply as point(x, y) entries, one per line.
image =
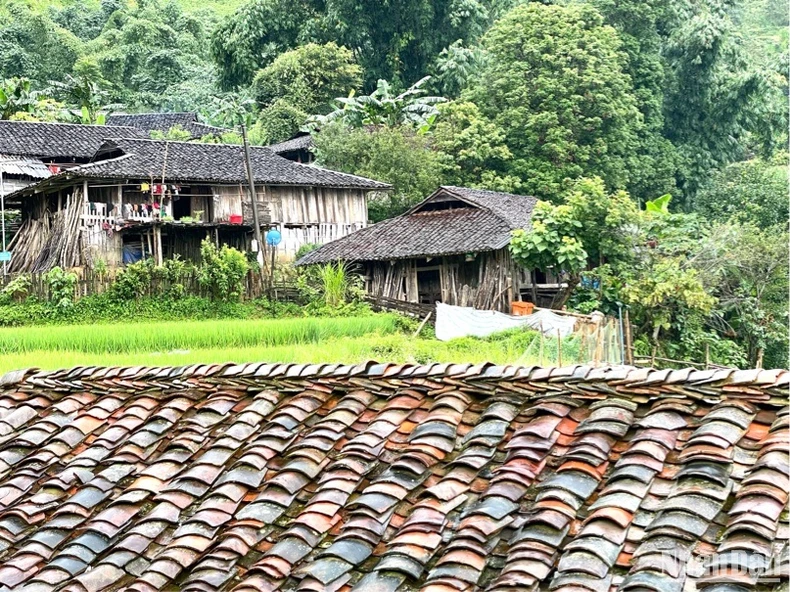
point(182, 207)
point(429, 286)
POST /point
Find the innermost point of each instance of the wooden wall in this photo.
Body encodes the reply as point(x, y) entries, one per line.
point(485, 282)
point(317, 205)
point(294, 205)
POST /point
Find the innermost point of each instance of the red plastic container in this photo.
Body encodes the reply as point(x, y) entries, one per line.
point(521, 308)
point(236, 219)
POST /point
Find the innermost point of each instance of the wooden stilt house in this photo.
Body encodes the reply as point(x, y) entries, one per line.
point(141, 196)
point(452, 248)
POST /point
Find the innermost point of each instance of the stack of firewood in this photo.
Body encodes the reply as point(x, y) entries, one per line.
point(50, 241)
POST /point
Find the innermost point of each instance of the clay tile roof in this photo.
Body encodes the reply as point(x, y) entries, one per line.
point(380, 477)
point(162, 122)
point(482, 223)
point(58, 140)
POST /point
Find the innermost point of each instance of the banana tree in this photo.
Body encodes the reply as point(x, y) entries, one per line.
point(384, 107)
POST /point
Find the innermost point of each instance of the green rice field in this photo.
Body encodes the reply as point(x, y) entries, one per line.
point(168, 336)
point(300, 340)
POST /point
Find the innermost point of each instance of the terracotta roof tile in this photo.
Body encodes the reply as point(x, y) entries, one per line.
point(382, 477)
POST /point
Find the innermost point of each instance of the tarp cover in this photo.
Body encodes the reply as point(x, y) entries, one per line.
point(460, 321)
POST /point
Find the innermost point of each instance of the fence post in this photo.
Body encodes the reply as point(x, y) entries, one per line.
point(559, 349)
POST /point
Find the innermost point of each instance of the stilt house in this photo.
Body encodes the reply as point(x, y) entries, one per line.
point(137, 193)
point(452, 248)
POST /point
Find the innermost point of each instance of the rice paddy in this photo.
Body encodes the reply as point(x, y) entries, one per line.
point(344, 340)
point(189, 335)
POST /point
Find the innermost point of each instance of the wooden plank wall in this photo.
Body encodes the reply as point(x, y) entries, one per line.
point(317, 205)
point(491, 289)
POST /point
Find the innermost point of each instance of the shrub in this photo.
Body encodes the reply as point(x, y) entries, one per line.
point(222, 271)
point(134, 281)
point(305, 249)
point(17, 290)
point(61, 286)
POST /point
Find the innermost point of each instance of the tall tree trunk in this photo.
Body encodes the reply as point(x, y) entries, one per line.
point(561, 297)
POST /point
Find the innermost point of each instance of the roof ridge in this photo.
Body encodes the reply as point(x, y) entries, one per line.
point(628, 382)
point(66, 124)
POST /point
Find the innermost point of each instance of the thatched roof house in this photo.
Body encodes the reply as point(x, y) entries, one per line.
point(451, 248)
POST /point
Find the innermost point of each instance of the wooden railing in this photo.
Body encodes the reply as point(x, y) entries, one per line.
point(410, 308)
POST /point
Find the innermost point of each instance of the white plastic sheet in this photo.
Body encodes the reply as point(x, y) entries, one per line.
point(459, 321)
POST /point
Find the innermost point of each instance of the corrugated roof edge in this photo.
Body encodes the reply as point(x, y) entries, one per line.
point(772, 385)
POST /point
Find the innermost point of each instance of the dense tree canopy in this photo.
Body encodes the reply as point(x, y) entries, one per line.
point(555, 83)
point(309, 77)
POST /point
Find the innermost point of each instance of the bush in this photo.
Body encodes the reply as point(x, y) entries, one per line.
point(61, 286)
point(17, 290)
point(305, 249)
point(222, 271)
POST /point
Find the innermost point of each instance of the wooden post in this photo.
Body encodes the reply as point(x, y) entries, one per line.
point(629, 346)
point(254, 199)
point(533, 278)
point(598, 344)
point(158, 237)
point(559, 349)
point(425, 320)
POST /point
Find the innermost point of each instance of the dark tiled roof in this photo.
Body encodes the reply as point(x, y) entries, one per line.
point(392, 478)
point(430, 233)
point(53, 140)
point(423, 234)
point(212, 163)
point(162, 122)
point(303, 142)
point(516, 209)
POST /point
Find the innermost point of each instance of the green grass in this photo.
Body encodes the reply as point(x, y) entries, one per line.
point(168, 336)
point(516, 347)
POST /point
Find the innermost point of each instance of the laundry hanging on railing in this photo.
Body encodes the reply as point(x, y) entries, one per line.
point(453, 322)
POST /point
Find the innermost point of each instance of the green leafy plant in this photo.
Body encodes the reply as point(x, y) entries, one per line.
point(134, 281)
point(100, 268)
point(384, 107)
point(659, 205)
point(17, 290)
point(222, 271)
point(334, 279)
point(305, 249)
point(61, 286)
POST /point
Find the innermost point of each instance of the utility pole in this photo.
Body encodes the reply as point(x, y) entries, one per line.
point(2, 213)
point(254, 197)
